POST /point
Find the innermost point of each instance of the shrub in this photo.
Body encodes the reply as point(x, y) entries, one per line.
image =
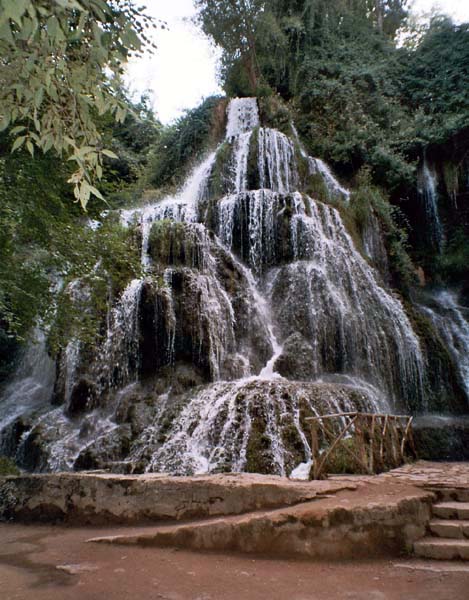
point(8, 467)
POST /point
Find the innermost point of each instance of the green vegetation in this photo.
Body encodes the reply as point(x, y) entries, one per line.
point(183, 142)
point(368, 199)
point(173, 243)
point(45, 237)
point(113, 260)
point(65, 118)
point(8, 467)
point(453, 263)
point(219, 183)
point(132, 141)
point(342, 458)
point(61, 68)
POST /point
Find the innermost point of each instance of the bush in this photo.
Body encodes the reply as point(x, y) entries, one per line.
point(187, 139)
point(8, 467)
point(366, 198)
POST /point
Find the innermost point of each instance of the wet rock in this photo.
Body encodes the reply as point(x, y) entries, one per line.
point(442, 438)
point(258, 425)
point(83, 397)
point(11, 435)
point(33, 452)
point(109, 448)
point(297, 359)
point(375, 247)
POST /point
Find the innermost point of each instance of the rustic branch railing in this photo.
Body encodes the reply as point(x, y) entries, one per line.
point(379, 440)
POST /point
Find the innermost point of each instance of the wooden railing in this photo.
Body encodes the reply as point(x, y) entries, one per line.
point(379, 441)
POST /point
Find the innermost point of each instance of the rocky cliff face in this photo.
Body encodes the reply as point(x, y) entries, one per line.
point(255, 311)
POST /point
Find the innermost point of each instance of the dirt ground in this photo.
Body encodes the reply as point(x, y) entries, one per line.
point(56, 563)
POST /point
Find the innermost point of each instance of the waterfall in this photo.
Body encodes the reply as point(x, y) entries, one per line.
point(318, 166)
point(118, 360)
point(277, 165)
point(374, 244)
point(182, 207)
point(32, 386)
point(254, 312)
point(213, 432)
point(428, 184)
point(243, 117)
point(451, 321)
point(355, 326)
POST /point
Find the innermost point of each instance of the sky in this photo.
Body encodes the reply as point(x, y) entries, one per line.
point(182, 71)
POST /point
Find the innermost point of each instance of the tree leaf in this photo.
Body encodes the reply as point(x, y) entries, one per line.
point(30, 147)
point(5, 122)
point(69, 4)
point(17, 130)
point(18, 143)
point(109, 154)
point(5, 32)
point(96, 192)
point(15, 9)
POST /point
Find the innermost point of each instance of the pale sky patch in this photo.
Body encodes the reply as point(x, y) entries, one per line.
point(183, 70)
point(458, 10)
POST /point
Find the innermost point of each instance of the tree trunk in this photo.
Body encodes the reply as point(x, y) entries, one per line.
point(379, 7)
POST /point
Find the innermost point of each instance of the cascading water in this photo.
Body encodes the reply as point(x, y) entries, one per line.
point(255, 311)
point(277, 164)
point(316, 166)
point(243, 117)
point(428, 192)
point(451, 321)
point(32, 386)
point(374, 245)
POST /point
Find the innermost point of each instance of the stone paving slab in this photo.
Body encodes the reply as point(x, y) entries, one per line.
point(441, 566)
point(433, 474)
point(440, 476)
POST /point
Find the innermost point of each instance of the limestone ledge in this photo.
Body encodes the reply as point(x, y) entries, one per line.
point(98, 498)
point(373, 520)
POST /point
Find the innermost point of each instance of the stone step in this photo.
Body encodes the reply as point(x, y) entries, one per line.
point(451, 494)
point(447, 528)
point(442, 548)
point(451, 510)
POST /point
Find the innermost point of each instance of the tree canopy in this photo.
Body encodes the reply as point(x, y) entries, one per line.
point(359, 97)
point(60, 68)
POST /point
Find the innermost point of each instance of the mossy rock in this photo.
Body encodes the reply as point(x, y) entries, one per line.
point(275, 113)
point(8, 466)
point(175, 243)
point(341, 461)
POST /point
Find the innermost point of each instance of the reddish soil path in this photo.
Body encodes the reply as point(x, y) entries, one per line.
point(55, 563)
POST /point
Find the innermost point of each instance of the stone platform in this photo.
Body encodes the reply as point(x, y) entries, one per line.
point(341, 517)
point(368, 521)
point(345, 517)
